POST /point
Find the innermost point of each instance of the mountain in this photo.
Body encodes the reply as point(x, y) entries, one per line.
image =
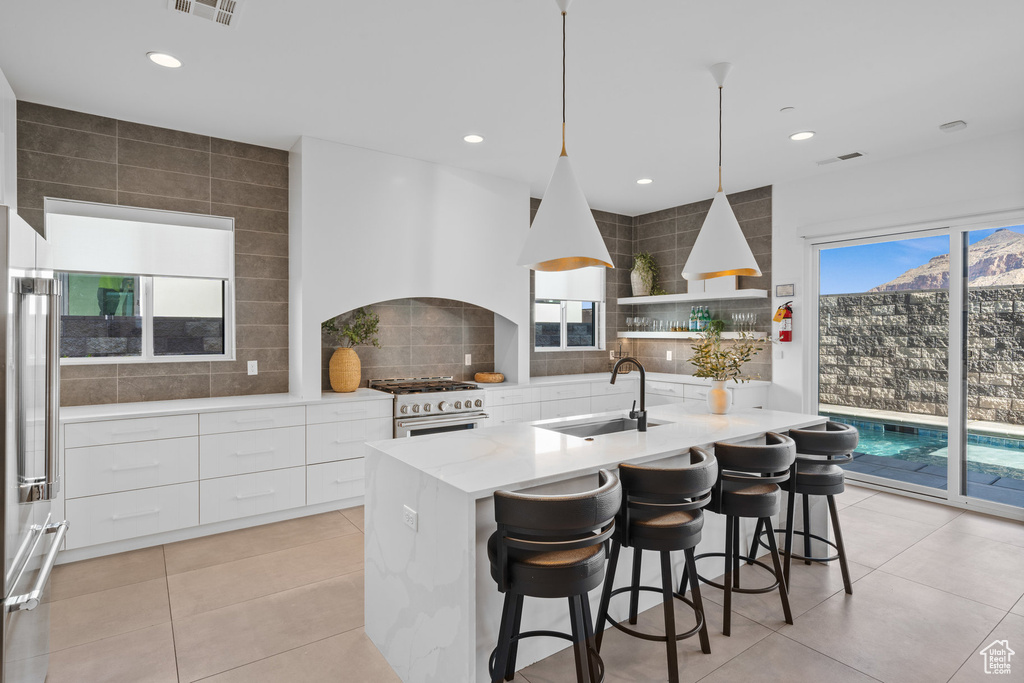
point(996, 260)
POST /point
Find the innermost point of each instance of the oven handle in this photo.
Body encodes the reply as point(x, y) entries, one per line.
point(453, 420)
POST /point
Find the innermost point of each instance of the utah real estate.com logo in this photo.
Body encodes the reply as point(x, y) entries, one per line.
point(997, 657)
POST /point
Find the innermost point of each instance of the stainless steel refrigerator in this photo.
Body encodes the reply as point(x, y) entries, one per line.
point(33, 528)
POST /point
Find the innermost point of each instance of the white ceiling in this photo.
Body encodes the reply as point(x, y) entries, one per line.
point(412, 77)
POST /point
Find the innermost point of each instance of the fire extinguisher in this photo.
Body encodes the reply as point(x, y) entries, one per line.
point(784, 316)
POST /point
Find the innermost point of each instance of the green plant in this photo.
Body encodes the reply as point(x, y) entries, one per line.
point(647, 267)
point(359, 330)
point(718, 363)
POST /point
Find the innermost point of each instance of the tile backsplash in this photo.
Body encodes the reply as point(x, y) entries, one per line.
point(425, 337)
point(72, 155)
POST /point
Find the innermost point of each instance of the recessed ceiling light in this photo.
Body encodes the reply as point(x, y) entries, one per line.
point(802, 135)
point(644, 181)
point(164, 59)
point(474, 138)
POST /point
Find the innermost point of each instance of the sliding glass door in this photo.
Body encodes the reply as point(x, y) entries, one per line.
point(883, 355)
point(921, 345)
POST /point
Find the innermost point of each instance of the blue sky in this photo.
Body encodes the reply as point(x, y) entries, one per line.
point(859, 268)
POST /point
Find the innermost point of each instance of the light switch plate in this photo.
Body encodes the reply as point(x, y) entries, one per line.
point(253, 369)
point(668, 355)
point(469, 359)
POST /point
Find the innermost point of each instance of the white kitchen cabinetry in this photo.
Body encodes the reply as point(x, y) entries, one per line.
point(129, 477)
point(559, 399)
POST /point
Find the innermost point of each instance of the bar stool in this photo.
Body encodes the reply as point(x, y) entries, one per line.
point(661, 511)
point(551, 547)
point(818, 473)
point(748, 486)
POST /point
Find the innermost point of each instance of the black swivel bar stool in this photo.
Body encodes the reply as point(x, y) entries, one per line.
point(748, 486)
point(661, 511)
point(551, 547)
point(820, 452)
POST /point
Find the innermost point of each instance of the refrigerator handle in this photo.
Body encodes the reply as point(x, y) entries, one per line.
point(31, 599)
point(34, 488)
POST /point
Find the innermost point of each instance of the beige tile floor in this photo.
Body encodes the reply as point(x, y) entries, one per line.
point(284, 602)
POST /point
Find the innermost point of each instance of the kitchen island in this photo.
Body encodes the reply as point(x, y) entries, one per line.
point(431, 606)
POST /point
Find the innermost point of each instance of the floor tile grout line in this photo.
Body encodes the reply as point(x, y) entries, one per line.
point(741, 652)
point(170, 611)
point(277, 654)
point(980, 645)
point(955, 595)
point(828, 656)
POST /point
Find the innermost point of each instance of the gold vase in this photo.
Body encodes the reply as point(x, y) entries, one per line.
point(345, 371)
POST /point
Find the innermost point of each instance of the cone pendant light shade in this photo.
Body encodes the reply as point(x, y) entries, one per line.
point(721, 248)
point(564, 235)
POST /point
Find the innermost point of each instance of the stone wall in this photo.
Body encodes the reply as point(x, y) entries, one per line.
point(889, 351)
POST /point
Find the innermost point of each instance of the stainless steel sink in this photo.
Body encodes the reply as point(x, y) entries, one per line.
point(588, 429)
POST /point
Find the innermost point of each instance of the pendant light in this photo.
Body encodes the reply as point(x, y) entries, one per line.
point(564, 235)
point(721, 248)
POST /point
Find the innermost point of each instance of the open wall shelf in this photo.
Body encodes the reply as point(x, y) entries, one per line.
point(683, 335)
point(695, 297)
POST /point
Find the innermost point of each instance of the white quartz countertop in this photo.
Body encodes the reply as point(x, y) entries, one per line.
point(113, 411)
point(515, 456)
point(605, 376)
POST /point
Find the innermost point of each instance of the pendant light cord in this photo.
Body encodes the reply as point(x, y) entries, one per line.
point(563, 85)
point(719, 138)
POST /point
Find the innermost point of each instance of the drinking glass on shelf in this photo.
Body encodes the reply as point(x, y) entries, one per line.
point(629, 324)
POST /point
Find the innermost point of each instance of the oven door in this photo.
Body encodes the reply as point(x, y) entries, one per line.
point(436, 424)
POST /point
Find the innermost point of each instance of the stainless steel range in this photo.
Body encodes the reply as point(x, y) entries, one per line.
point(430, 405)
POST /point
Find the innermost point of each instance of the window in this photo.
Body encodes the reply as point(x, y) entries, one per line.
point(142, 285)
point(568, 310)
point(564, 325)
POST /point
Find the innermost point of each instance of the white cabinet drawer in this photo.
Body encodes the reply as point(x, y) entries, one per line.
point(621, 386)
point(564, 391)
point(520, 412)
point(344, 440)
point(499, 397)
point(117, 516)
point(348, 410)
point(661, 400)
point(251, 494)
point(696, 391)
point(667, 389)
point(95, 470)
point(564, 408)
point(334, 481)
point(245, 420)
point(222, 455)
point(79, 434)
point(604, 404)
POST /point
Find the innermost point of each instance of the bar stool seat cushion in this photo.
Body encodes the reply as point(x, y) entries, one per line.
point(744, 499)
point(671, 531)
point(819, 479)
point(550, 574)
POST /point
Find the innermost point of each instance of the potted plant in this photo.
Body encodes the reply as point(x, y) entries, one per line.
point(644, 276)
point(359, 330)
point(720, 364)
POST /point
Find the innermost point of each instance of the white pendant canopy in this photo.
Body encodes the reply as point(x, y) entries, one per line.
point(564, 235)
point(721, 248)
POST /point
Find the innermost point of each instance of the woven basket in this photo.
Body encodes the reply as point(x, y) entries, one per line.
point(345, 371)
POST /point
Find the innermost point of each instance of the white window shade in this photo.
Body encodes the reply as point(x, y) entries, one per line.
point(582, 284)
point(98, 238)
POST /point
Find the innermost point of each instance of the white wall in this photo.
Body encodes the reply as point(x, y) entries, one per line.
point(367, 226)
point(960, 184)
point(8, 145)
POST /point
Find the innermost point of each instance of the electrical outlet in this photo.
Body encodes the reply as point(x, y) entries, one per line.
point(253, 370)
point(469, 359)
point(611, 355)
point(410, 517)
point(668, 355)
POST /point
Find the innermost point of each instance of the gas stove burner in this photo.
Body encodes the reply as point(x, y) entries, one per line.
point(420, 385)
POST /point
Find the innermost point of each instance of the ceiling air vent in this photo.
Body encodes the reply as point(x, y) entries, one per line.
point(219, 11)
point(841, 157)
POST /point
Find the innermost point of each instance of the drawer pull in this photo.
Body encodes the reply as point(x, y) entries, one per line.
point(246, 454)
point(130, 515)
point(123, 432)
point(338, 442)
point(257, 494)
point(129, 468)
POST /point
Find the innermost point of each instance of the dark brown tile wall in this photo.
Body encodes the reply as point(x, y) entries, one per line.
point(72, 155)
point(425, 338)
point(669, 236)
